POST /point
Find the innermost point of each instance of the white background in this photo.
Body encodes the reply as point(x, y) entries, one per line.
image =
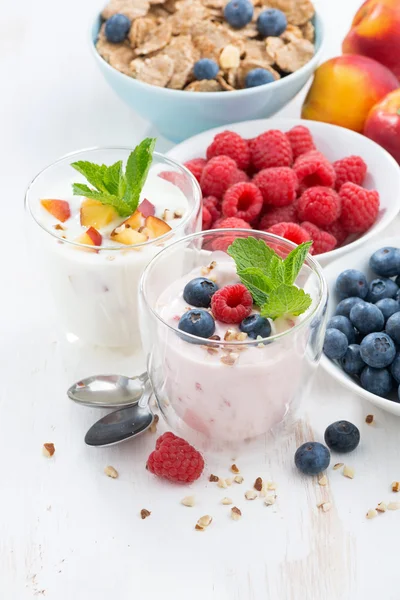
point(67, 532)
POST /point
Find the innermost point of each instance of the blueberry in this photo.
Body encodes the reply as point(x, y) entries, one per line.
point(393, 327)
point(397, 280)
point(376, 381)
point(199, 291)
point(395, 368)
point(117, 28)
point(257, 77)
point(388, 306)
point(367, 318)
point(335, 344)
point(352, 363)
point(342, 436)
point(271, 22)
point(377, 350)
point(197, 322)
point(344, 325)
point(351, 283)
point(205, 68)
point(381, 288)
point(312, 458)
point(238, 13)
point(386, 261)
point(255, 325)
point(344, 307)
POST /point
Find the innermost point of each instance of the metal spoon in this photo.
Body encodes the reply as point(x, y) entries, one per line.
point(123, 424)
point(108, 391)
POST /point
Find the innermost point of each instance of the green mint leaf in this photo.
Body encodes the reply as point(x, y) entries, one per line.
point(137, 168)
point(294, 261)
point(80, 189)
point(277, 271)
point(112, 178)
point(257, 283)
point(286, 300)
point(249, 252)
point(93, 173)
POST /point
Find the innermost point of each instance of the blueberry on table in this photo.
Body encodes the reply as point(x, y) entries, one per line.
point(388, 306)
point(197, 322)
point(205, 68)
point(352, 363)
point(377, 350)
point(367, 318)
point(386, 261)
point(344, 307)
point(395, 368)
point(311, 458)
point(351, 283)
point(381, 288)
point(376, 381)
point(257, 77)
point(342, 436)
point(117, 28)
point(271, 22)
point(344, 325)
point(256, 325)
point(393, 327)
point(199, 291)
point(238, 13)
point(335, 344)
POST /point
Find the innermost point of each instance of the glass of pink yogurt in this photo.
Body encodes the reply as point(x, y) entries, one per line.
point(92, 261)
point(230, 387)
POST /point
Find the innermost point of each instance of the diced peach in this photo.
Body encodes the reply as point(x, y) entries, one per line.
point(147, 208)
point(125, 234)
point(156, 227)
point(58, 208)
point(95, 214)
point(91, 237)
point(135, 221)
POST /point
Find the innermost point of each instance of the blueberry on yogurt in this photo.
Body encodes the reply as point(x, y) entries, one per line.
point(256, 325)
point(197, 322)
point(199, 291)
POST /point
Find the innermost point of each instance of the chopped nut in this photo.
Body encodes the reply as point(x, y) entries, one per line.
point(229, 481)
point(371, 514)
point(229, 57)
point(348, 472)
point(323, 480)
point(188, 501)
point(382, 507)
point(271, 485)
point(250, 495)
point(215, 337)
point(144, 513)
point(236, 513)
point(226, 501)
point(199, 528)
point(369, 419)
point(213, 478)
point(326, 506)
point(269, 500)
point(241, 336)
point(48, 450)
point(234, 469)
point(238, 479)
point(230, 359)
point(396, 486)
point(153, 426)
point(258, 484)
point(111, 472)
point(59, 227)
point(230, 335)
point(222, 483)
point(338, 466)
point(167, 215)
point(393, 505)
point(204, 521)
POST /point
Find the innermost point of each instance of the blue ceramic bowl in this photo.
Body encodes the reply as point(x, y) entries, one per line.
point(179, 115)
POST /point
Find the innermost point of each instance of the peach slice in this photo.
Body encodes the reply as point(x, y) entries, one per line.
point(58, 208)
point(95, 214)
point(156, 227)
point(125, 234)
point(91, 237)
point(147, 208)
point(135, 221)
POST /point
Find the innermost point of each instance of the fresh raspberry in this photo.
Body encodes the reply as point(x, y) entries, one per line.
point(175, 459)
point(280, 214)
point(196, 166)
point(207, 219)
point(271, 149)
point(301, 140)
point(230, 144)
point(278, 185)
point(359, 207)
point(232, 303)
point(242, 200)
point(213, 205)
point(217, 176)
point(319, 205)
point(313, 168)
point(351, 168)
point(322, 240)
point(239, 176)
point(290, 231)
point(231, 223)
point(338, 231)
point(177, 179)
point(222, 243)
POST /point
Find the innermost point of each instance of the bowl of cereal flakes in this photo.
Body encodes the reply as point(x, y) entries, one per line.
point(189, 65)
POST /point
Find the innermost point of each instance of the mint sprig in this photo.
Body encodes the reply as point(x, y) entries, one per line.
point(113, 187)
point(269, 278)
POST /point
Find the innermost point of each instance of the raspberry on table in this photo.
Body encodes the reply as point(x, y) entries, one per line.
point(231, 223)
point(279, 214)
point(230, 144)
point(175, 459)
point(278, 185)
point(206, 219)
point(360, 207)
point(242, 200)
point(313, 168)
point(319, 205)
point(213, 205)
point(232, 303)
point(270, 149)
point(291, 232)
point(217, 176)
point(196, 166)
point(351, 168)
point(338, 231)
point(301, 140)
point(322, 240)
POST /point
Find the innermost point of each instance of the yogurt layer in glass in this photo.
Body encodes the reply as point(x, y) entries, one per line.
point(93, 261)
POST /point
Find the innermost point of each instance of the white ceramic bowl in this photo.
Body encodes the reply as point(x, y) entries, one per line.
point(335, 142)
point(358, 259)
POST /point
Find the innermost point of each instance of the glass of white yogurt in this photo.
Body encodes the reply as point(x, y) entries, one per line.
point(93, 261)
point(229, 387)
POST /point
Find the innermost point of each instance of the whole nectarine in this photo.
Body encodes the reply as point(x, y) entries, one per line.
point(383, 124)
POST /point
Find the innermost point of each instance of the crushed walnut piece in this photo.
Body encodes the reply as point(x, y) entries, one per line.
point(234, 469)
point(226, 501)
point(396, 486)
point(382, 507)
point(250, 495)
point(258, 484)
point(270, 500)
point(236, 513)
point(369, 419)
point(372, 513)
point(188, 501)
point(111, 472)
point(203, 523)
point(337, 466)
point(213, 478)
point(348, 472)
point(393, 506)
point(230, 358)
point(144, 513)
point(325, 506)
point(48, 449)
point(222, 483)
point(271, 485)
point(323, 480)
point(238, 479)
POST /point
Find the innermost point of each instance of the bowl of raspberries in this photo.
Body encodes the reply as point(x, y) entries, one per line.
point(301, 180)
point(362, 339)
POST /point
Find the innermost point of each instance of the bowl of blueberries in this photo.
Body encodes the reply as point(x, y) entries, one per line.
point(362, 339)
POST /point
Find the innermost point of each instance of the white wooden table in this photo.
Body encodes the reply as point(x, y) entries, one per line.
point(67, 532)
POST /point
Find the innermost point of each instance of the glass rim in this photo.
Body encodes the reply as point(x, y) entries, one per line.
point(197, 195)
point(310, 261)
